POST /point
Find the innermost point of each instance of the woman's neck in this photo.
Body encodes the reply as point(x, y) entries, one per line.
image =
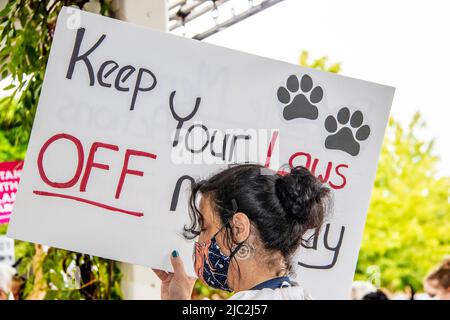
point(251, 275)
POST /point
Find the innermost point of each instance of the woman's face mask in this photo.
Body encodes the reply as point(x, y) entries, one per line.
point(211, 265)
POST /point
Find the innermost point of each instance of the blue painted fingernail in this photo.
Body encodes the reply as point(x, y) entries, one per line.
point(175, 253)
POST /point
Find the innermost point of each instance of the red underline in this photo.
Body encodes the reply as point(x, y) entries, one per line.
point(93, 203)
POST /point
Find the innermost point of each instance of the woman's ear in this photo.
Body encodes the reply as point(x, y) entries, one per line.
point(241, 227)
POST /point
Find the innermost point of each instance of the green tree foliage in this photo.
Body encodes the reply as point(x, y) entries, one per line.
point(13, 139)
point(319, 64)
point(407, 230)
point(26, 29)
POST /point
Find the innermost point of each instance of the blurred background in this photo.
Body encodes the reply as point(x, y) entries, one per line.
point(401, 44)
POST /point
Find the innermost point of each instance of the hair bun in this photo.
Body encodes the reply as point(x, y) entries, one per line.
point(300, 194)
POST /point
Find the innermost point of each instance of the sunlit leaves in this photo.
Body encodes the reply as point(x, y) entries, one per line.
point(26, 29)
point(408, 226)
point(320, 64)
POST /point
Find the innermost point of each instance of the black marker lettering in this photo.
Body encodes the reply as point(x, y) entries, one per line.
point(119, 78)
point(176, 191)
point(76, 57)
point(181, 120)
point(233, 143)
point(101, 76)
point(224, 145)
point(138, 87)
point(314, 237)
point(189, 132)
point(335, 249)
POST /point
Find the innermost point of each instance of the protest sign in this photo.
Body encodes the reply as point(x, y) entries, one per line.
point(128, 116)
point(9, 180)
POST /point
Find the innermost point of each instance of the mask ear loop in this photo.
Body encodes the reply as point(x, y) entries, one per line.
point(236, 250)
point(235, 209)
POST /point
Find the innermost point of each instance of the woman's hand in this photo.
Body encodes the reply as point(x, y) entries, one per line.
point(176, 285)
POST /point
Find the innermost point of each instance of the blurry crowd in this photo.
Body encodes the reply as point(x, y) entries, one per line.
point(436, 286)
point(11, 284)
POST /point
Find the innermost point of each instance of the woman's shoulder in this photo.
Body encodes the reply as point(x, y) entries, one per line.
point(287, 293)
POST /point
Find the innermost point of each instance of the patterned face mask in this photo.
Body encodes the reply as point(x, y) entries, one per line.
point(211, 265)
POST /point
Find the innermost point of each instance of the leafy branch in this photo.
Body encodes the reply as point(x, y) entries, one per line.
point(26, 29)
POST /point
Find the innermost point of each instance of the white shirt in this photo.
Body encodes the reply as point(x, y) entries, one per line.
point(284, 293)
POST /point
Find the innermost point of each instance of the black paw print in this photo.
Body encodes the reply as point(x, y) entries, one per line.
point(344, 139)
point(301, 105)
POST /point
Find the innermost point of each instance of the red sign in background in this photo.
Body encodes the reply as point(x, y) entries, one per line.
point(9, 180)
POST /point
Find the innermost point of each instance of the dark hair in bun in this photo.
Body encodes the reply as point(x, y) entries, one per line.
point(301, 196)
point(282, 208)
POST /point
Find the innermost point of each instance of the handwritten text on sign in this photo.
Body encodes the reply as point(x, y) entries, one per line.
point(9, 181)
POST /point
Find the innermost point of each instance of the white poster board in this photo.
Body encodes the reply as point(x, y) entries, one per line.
point(101, 171)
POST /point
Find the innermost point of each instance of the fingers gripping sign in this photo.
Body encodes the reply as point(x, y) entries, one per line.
point(176, 285)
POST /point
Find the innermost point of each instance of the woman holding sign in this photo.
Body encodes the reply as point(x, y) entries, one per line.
point(249, 222)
